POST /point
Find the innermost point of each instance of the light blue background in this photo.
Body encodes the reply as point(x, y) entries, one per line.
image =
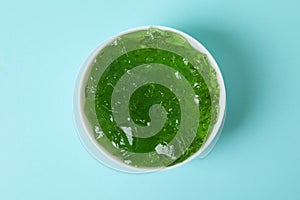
point(43, 45)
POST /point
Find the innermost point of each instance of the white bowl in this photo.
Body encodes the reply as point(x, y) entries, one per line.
point(86, 133)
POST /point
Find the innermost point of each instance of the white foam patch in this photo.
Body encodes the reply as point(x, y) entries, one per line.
point(128, 132)
point(177, 75)
point(165, 150)
point(98, 132)
point(185, 61)
point(127, 162)
point(196, 99)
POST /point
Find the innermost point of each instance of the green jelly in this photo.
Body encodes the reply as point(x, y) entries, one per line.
point(151, 98)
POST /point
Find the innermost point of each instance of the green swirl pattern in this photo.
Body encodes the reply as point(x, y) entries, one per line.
point(151, 98)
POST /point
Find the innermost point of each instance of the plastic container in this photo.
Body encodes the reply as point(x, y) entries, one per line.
point(86, 133)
